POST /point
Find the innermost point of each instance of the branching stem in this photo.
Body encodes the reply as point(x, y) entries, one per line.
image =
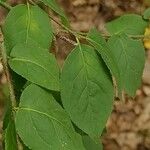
point(66, 39)
point(7, 74)
point(83, 34)
point(61, 25)
point(5, 5)
point(78, 34)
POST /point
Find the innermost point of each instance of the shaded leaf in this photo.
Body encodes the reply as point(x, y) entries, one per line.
point(57, 96)
point(97, 41)
point(36, 65)
point(55, 7)
point(7, 108)
point(10, 136)
point(87, 90)
point(25, 148)
point(7, 114)
point(78, 130)
point(146, 14)
point(27, 24)
point(42, 124)
point(90, 144)
point(130, 24)
point(2, 1)
point(130, 57)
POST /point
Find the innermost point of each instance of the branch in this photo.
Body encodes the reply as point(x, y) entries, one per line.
point(7, 73)
point(61, 25)
point(66, 39)
point(83, 34)
point(78, 34)
point(5, 5)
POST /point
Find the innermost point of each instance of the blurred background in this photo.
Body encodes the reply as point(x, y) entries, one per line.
point(128, 127)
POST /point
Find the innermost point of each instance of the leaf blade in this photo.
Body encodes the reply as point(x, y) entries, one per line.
point(10, 136)
point(55, 7)
point(97, 41)
point(130, 55)
point(35, 65)
point(82, 87)
point(90, 144)
point(27, 24)
point(130, 24)
point(33, 113)
point(146, 14)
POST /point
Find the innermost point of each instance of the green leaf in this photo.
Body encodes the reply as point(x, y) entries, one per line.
point(8, 108)
point(42, 124)
point(27, 24)
point(90, 144)
point(10, 139)
point(130, 24)
point(99, 43)
point(7, 114)
point(87, 90)
point(10, 136)
point(3, 1)
point(130, 57)
point(36, 65)
point(55, 7)
point(146, 14)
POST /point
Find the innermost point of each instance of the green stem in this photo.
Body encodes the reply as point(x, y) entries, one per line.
point(78, 42)
point(78, 34)
point(66, 39)
point(61, 25)
point(84, 35)
point(5, 5)
point(7, 74)
point(31, 2)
